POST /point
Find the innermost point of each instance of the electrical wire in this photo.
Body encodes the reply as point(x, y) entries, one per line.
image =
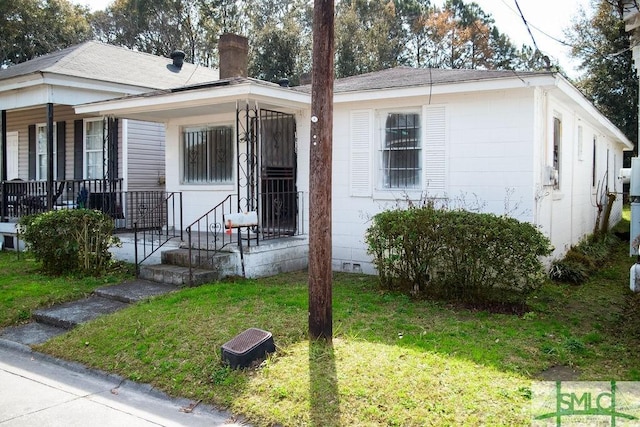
point(526, 24)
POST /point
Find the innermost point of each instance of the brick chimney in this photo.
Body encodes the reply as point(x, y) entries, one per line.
point(234, 54)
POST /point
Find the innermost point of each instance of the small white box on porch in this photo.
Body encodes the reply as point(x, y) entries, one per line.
point(241, 219)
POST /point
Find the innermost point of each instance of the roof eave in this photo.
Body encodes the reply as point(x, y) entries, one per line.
point(167, 100)
point(443, 88)
point(570, 91)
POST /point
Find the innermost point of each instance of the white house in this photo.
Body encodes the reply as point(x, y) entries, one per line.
point(525, 144)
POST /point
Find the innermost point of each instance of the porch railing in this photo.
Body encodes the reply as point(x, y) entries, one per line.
point(20, 198)
point(156, 225)
point(280, 217)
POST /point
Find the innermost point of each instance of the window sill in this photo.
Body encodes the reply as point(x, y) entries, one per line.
point(207, 187)
point(398, 194)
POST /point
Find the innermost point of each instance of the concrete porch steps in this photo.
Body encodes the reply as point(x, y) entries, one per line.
point(177, 275)
point(175, 267)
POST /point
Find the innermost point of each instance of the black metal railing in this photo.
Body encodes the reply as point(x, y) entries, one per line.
point(20, 198)
point(155, 225)
point(280, 217)
point(207, 235)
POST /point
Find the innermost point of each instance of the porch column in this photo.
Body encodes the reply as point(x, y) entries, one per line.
point(50, 162)
point(3, 124)
point(3, 166)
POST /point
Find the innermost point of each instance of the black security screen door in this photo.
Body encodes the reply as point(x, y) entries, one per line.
point(278, 173)
point(267, 169)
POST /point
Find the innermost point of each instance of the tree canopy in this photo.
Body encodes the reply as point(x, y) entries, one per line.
point(30, 28)
point(603, 47)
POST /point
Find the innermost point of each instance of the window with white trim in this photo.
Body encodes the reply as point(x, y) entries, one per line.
point(400, 158)
point(207, 155)
point(95, 155)
point(41, 152)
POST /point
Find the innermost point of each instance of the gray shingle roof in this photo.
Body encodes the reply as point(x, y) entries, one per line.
point(399, 77)
point(103, 62)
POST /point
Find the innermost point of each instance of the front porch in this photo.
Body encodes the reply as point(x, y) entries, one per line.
point(20, 198)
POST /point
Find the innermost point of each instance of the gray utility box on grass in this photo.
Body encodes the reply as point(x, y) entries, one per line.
point(250, 345)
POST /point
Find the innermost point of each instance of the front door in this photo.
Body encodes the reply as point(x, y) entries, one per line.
point(278, 192)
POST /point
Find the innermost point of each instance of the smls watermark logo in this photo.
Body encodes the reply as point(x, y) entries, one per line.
point(585, 403)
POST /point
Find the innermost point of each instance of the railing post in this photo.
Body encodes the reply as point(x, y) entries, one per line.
point(189, 249)
point(135, 247)
point(181, 236)
point(5, 201)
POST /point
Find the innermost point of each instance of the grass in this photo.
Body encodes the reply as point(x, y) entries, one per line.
point(394, 361)
point(23, 289)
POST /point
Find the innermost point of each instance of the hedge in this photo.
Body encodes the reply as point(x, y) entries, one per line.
point(456, 254)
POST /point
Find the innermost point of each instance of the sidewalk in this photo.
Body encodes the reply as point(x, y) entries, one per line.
point(38, 390)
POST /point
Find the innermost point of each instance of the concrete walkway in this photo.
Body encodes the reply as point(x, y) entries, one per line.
point(39, 390)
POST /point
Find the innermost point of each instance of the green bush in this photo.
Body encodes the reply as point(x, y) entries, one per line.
point(583, 259)
point(569, 271)
point(457, 254)
point(69, 241)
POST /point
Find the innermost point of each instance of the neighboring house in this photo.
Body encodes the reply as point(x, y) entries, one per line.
point(524, 144)
point(53, 157)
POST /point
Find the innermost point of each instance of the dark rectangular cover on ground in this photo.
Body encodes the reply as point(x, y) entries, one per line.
point(252, 344)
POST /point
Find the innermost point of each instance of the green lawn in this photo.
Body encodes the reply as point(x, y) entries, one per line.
point(23, 288)
point(394, 361)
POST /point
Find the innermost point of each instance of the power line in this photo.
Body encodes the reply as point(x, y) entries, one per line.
point(526, 24)
point(562, 42)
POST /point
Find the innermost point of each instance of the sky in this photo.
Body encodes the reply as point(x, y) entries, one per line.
point(549, 16)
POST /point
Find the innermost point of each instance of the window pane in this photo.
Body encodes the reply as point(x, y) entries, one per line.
point(95, 165)
point(95, 152)
point(94, 134)
point(401, 167)
point(41, 152)
point(208, 155)
point(42, 166)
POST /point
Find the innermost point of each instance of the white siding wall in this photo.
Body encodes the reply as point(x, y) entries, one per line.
point(146, 155)
point(569, 213)
point(483, 147)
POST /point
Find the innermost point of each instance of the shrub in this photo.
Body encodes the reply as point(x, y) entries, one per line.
point(569, 271)
point(457, 254)
point(583, 259)
point(69, 241)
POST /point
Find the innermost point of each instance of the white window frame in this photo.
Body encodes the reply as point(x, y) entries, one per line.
point(86, 151)
point(41, 152)
point(383, 179)
point(231, 156)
